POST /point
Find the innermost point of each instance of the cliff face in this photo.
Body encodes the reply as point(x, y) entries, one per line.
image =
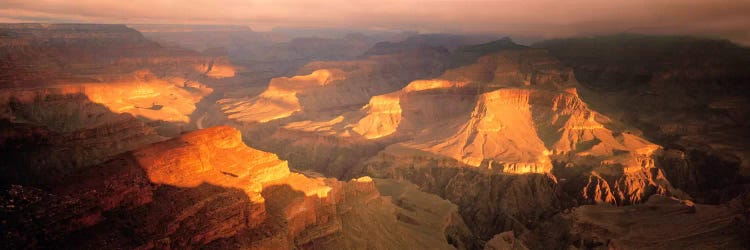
point(499, 133)
point(262, 55)
point(64, 153)
point(504, 150)
point(111, 65)
point(327, 86)
point(685, 93)
point(206, 188)
point(513, 119)
point(40, 54)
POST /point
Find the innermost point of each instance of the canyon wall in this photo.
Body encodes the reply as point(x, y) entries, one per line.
point(206, 188)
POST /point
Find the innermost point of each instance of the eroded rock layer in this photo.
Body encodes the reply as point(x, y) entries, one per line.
point(690, 95)
point(660, 223)
point(512, 117)
point(206, 188)
point(324, 86)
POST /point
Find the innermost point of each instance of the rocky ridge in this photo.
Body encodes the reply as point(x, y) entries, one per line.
point(513, 117)
point(206, 188)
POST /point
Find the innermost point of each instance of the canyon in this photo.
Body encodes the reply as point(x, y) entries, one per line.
point(221, 137)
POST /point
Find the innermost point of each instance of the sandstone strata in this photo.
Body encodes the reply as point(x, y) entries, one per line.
point(206, 188)
point(514, 118)
point(326, 86)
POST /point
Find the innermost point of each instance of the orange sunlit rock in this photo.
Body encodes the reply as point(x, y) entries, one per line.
point(280, 99)
point(419, 85)
point(170, 100)
point(500, 130)
point(215, 155)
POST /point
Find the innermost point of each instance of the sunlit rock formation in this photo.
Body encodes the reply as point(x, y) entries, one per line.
point(514, 117)
point(326, 86)
point(690, 95)
point(262, 55)
point(281, 99)
point(500, 134)
point(206, 188)
point(140, 94)
point(505, 149)
point(110, 64)
point(512, 127)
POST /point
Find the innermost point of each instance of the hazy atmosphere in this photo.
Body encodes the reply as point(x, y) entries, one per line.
point(536, 18)
point(411, 124)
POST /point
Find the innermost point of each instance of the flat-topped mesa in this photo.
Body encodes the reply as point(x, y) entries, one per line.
point(329, 86)
point(384, 113)
point(501, 129)
point(500, 132)
point(140, 93)
point(413, 106)
point(281, 99)
point(215, 155)
point(114, 33)
point(383, 116)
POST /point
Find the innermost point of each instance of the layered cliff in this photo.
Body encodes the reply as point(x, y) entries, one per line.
point(43, 54)
point(206, 188)
point(479, 115)
point(326, 86)
point(686, 93)
point(514, 118)
point(281, 99)
point(111, 65)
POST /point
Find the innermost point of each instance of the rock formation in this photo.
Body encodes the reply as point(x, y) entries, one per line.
point(334, 86)
point(660, 223)
point(431, 142)
point(688, 96)
point(48, 65)
point(510, 114)
point(206, 188)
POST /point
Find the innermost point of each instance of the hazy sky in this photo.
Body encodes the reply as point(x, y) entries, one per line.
point(544, 18)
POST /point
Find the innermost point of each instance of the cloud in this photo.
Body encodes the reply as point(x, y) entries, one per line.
point(543, 18)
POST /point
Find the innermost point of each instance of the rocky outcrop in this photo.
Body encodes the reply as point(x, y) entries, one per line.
point(513, 120)
point(659, 223)
point(44, 54)
point(688, 96)
point(631, 186)
point(327, 86)
point(281, 98)
point(145, 96)
point(262, 55)
point(64, 153)
point(490, 202)
point(500, 133)
point(206, 188)
point(110, 64)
